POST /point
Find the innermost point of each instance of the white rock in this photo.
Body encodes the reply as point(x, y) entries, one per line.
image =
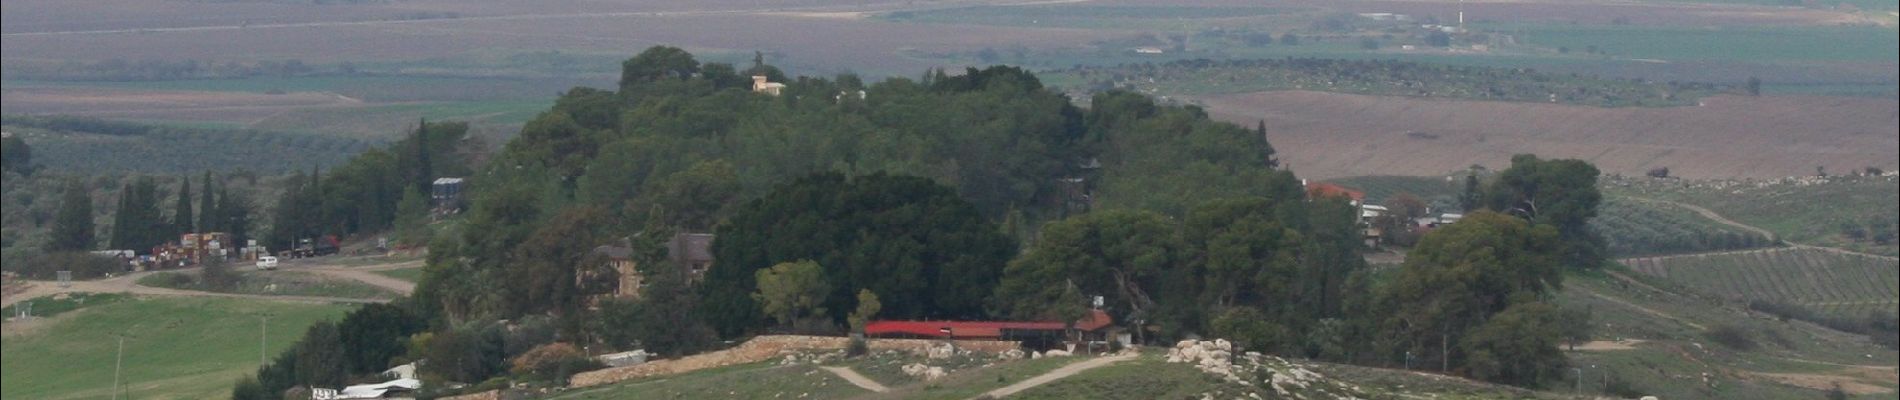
point(1056, 353)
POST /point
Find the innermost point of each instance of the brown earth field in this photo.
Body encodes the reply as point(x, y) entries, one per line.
point(235, 107)
point(1328, 135)
point(810, 34)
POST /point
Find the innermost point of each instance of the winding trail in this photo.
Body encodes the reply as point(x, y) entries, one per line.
point(1718, 218)
point(1058, 373)
point(855, 378)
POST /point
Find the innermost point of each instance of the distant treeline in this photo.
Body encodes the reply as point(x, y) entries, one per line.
point(75, 144)
point(1389, 77)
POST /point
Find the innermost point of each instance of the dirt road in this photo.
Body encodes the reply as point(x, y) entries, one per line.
point(1058, 373)
point(855, 378)
point(128, 284)
point(367, 274)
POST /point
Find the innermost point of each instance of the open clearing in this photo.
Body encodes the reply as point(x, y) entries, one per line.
point(176, 347)
point(1327, 135)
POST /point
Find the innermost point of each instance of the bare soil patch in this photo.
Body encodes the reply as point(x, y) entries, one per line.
point(1327, 135)
point(1609, 345)
point(1848, 384)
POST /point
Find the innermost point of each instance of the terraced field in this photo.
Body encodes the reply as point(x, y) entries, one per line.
point(1827, 281)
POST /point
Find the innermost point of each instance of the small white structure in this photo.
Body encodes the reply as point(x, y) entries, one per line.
point(1149, 50)
point(405, 371)
point(1370, 211)
point(375, 391)
point(761, 85)
point(624, 358)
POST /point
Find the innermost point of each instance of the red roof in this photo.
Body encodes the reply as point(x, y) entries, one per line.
point(988, 329)
point(1323, 189)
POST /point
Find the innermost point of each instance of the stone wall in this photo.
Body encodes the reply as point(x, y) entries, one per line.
point(767, 347)
point(488, 395)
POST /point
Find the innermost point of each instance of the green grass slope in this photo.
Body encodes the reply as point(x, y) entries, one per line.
point(175, 348)
point(1831, 282)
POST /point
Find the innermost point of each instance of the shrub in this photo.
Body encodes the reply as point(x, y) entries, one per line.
point(553, 361)
point(1730, 336)
point(857, 347)
point(46, 266)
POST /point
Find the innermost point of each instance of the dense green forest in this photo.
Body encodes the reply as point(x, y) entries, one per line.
point(973, 195)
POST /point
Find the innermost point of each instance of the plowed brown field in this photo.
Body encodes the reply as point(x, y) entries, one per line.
point(1327, 135)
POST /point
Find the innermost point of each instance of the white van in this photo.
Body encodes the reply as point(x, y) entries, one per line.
point(266, 263)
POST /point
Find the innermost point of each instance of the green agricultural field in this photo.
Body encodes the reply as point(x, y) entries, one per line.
point(1385, 78)
point(1086, 16)
point(1675, 353)
point(1827, 281)
point(764, 380)
point(1749, 44)
point(187, 150)
point(175, 348)
point(1634, 227)
point(1855, 213)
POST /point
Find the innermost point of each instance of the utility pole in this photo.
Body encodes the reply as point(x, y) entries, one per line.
point(116, 364)
point(1579, 379)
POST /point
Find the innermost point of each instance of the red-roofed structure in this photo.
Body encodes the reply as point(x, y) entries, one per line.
point(1322, 189)
point(1096, 321)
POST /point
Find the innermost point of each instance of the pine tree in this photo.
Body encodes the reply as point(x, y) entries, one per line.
point(234, 215)
point(182, 221)
point(139, 224)
point(1260, 129)
point(1469, 200)
point(72, 227)
point(207, 219)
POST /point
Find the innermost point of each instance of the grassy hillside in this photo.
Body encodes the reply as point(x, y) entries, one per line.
point(1830, 282)
point(1677, 357)
point(1855, 213)
point(1632, 227)
point(176, 348)
point(766, 380)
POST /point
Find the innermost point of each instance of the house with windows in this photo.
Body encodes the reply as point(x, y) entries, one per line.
point(762, 86)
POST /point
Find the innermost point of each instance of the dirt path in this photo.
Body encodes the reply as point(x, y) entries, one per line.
point(1609, 345)
point(1058, 373)
point(367, 274)
point(1645, 310)
point(1712, 215)
point(857, 379)
point(128, 284)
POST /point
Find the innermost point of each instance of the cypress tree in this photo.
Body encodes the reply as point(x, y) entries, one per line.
point(122, 219)
point(72, 227)
point(425, 173)
point(207, 219)
point(182, 221)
